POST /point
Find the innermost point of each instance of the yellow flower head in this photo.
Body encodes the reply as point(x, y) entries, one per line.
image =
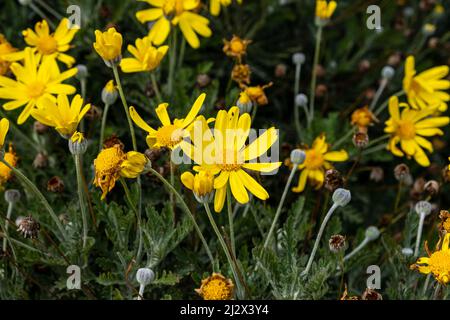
point(216, 287)
point(112, 163)
point(324, 9)
point(317, 161)
point(201, 184)
point(241, 73)
point(363, 117)
point(444, 215)
point(108, 44)
point(61, 114)
point(170, 134)
point(5, 50)
point(5, 172)
point(77, 137)
point(146, 56)
point(257, 94)
point(48, 45)
point(425, 89)
point(4, 127)
point(225, 153)
point(236, 47)
point(171, 13)
point(34, 83)
point(409, 129)
point(438, 263)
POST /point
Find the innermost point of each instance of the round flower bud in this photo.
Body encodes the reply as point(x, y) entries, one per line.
point(342, 197)
point(145, 276)
point(337, 243)
point(432, 187)
point(376, 174)
point(407, 251)
point(387, 72)
point(244, 103)
point(82, 72)
point(12, 195)
point(298, 58)
point(77, 144)
point(429, 29)
point(423, 207)
point(333, 180)
point(372, 233)
point(298, 156)
point(360, 140)
point(109, 93)
point(301, 100)
point(402, 173)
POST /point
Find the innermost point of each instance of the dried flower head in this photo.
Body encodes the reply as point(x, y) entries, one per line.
point(241, 73)
point(5, 172)
point(376, 174)
point(29, 227)
point(360, 139)
point(337, 243)
point(257, 94)
point(444, 215)
point(216, 287)
point(55, 184)
point(333, 180)
point(40, 161)
point(236, 47)
point(402, 174)
point(362, 118)
point(370, 294)
point(432, 187)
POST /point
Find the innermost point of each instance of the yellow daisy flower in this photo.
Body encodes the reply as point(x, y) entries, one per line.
point(5, 172)
point(438, 263)
point(424, 89)
point(257, 94)
point(146, 56)
point(362, 118)
point(236, 47)
point(33, 83)
point(113, 163)
point(201, 184)
point(170, 134)
point(225, 154)
point(4, 127)
point(61, 114)
point(409, 127)
point(317, 161)
point(108, 45)
point(215, 5)
point(5, 50)
point(172, 13)
point(216, 287)
point(324, 9)
point(48, 45)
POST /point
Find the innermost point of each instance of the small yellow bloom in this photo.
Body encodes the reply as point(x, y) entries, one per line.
point(425, 89)
point(409, 127)
point(48, 45)
point(438, 263)
point(363, 117)
point(77, 137)
point(215, 5)
point(108, 44)
point(444, 215)
point(61, 114)
point(146, 56)
point(317, 160)
point(4, 127)
point(112, 163)
point(324, 9)
point(172, 13)
point(236, 47)
point(216, 287)
point(241, 73)
point(257, 94)
point(170, 134)
point(34, 83)
point(5, 172)
point(202, 184)
point(5, 50)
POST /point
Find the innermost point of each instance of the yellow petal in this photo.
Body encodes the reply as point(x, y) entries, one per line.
point(139, 121)
point(301, 181)
point(262, 167)
point(336, 156)
point(4, 127)
point(219, 199)
point(254, 187)
point(161, 112)
point(194, 110)
point(237, 188)
point(187, 178)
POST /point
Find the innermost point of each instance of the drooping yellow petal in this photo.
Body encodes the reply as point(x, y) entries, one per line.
point(336, 156)
point(161, 112)
point(252, 185)
point(237, 188)
point(139, 121)
point(4, 127)
point(187, 178)
point(219, 199)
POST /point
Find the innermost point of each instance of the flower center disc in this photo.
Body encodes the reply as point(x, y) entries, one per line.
point(169, 136)
point(35, 89)
point(314, 159)
point(440, 264)
point(172, 8)
point(406, 130)
point(47, 45)
point(229, 160)
point(109, 160)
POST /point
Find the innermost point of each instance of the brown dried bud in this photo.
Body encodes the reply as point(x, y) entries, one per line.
point(417, 188)
point(433, 43)
point(377, 174)
point(94, 113)
point(29, 228)
point(153, 154)
point(112, 141)
point(320, 71)
point(241, 73)
point(402, 173)
point(337, 243)
point(203, 80)
point(40, 161)
point(432, 187)
point(333, 180)
point(364, 65)
point(55, 184)
point(395, 59)
point(39, 127)
point(321, 90)
point(280, 70)
point(371, 294)
point(64, 218)
point(360, 139)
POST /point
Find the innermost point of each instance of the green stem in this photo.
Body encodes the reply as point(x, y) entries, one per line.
point(32, 187)
point(437, 291)
point(182, 51)
point(419, 234)
point(8, 217)
point(347, 135)
point(386, 102)
point(298, 70)
point(50, 9)
point(40, 13)
point(224, 248)
point(77, 160)
point(125, 106)
point(185, 208)
point(102, 130)
point(314, 75)
point(155, 87)
point(280, 207)
point(231, 223)
point(172, 60)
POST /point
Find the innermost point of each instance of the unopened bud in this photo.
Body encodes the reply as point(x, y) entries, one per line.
point(12, 195)
point(407, 252)
point(360, 140)
point(145, 276)
point(423, 207)
point(387, 72)
point(109, 93)
point(82, 73)
point(333, 180)
point(372, 233)
point(377, 174)
point(301, 100)
point(298, 156)
point(341, 197)
point(77, 144)
point(298, 58)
